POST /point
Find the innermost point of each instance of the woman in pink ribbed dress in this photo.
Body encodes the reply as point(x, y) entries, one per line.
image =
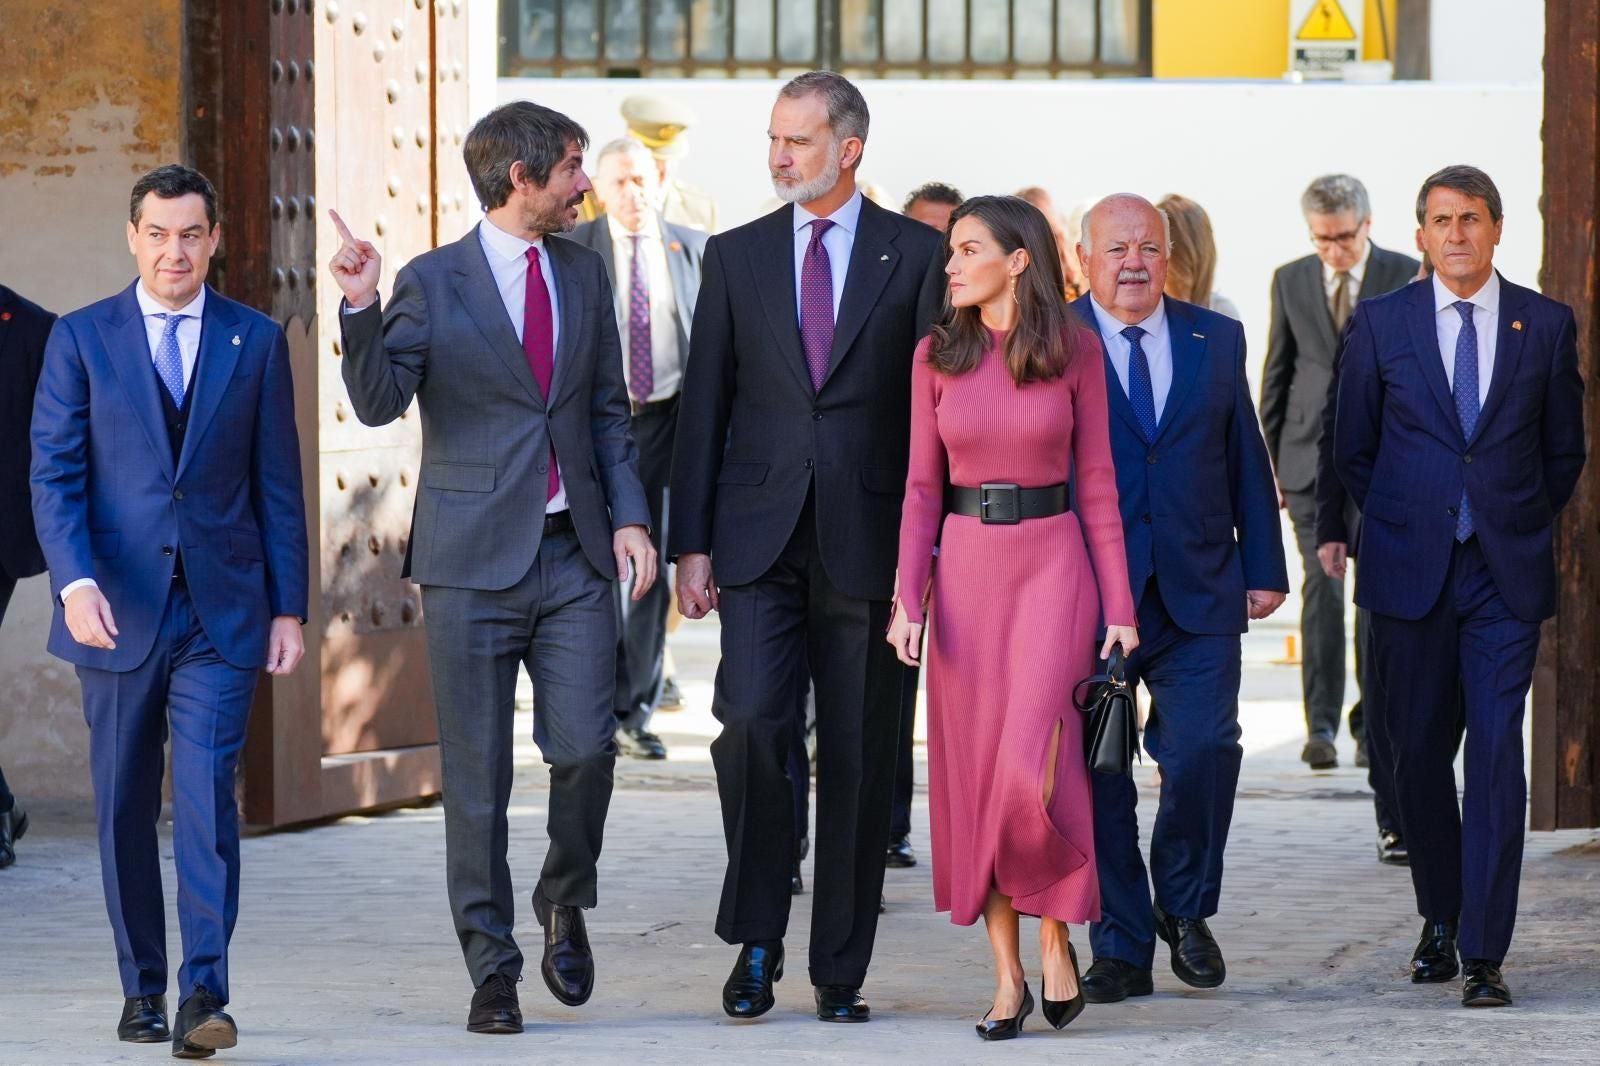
point(1008, 401)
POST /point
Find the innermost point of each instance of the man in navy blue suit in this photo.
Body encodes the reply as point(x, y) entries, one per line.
point(167, 495)
point(1459, 433)
point(1205, 555)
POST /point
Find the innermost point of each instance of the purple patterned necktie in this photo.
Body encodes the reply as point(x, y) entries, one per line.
point(641, 365)
point(816, 304)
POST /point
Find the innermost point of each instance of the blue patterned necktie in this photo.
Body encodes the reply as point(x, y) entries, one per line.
point(169, 358)
point(1141, 393)
point(641, 364)
point(1466, 395)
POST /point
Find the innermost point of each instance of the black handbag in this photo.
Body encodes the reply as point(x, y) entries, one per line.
point(1111, 719)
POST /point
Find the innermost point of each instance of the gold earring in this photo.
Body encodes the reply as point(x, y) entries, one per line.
point(1014, 290)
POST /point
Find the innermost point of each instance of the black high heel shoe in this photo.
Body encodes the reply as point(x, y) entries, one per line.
point(1006, 1028)
point(1061, 1012)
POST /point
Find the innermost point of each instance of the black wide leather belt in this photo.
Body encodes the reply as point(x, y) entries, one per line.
point(560, 522)
point(999, 503)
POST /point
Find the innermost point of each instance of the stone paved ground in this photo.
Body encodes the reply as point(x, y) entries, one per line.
point(344, 952)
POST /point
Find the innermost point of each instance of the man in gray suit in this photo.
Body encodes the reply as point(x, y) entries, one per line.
point(654, 266)
point(1312, 299)
point(528, 508)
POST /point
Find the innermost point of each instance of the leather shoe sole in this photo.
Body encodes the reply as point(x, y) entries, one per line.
point(497, 1027)
point(213, 1034)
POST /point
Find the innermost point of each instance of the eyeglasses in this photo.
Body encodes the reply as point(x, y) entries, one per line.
point(1344, 240)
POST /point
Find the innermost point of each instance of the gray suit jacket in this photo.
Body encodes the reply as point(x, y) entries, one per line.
point(685, 249)
point(445, 338)
point(1301, 346)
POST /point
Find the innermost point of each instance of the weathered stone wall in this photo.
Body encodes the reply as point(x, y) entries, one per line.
point(90, 97)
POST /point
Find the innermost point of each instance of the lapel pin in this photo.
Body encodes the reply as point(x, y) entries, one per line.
point(675, 246)
point(1202, 336)
point(883, 258)
point(1517, 325)
point(5, 316)
point(236, 340)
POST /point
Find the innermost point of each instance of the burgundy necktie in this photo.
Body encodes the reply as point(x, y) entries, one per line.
point(538, 344)
point(816, 304)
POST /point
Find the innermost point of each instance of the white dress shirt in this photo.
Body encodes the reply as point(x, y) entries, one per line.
point(838, 240)
point(155, 327)
point(1330, 278)
point(668, 367)
point(508, 262)
point(1156, 342)
point(1485, 319)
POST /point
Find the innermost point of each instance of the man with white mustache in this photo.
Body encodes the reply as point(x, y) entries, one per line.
point(1205, 556)
point(788, 476)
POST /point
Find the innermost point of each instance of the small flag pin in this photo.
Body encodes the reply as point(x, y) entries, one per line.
point(1517, 325)
point(1202, 336)
point(883, 258)
point(675, 246)
point(236, 340)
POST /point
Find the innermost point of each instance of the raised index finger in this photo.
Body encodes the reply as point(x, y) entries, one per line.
point(344, 231)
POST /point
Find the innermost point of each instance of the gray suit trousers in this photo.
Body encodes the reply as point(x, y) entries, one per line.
point(560, 621)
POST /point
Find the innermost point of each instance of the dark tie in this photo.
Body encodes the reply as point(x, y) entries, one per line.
point(816, 304)
point(538, 344)
point(1141, 393)
point(1466, 393)
point(641, 365)
point(1343, 302)
point(169, 358)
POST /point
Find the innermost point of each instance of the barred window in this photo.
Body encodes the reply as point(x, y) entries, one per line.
point(862, 38)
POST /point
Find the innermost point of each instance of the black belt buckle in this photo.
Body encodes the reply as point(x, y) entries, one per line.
point(1000, 504)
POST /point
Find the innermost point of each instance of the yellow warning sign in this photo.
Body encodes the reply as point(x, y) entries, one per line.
point(1326, 22)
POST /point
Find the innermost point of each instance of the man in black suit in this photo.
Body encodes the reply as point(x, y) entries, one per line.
point(1312, 299)
point(788, 476)
point(24, 326)
point(654, 268)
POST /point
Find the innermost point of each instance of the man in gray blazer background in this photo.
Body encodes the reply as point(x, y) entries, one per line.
point(654, 266)
point(528, 508)
point(1312, 299)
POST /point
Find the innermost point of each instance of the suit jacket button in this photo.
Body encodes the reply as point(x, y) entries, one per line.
point(808, 464)
point(816, 416)
point(1151, 459)
point(1145, 519)
point(1466, 458)
point(1451, 511)
point(177, 494)
point(544, 468)
point(166, 549)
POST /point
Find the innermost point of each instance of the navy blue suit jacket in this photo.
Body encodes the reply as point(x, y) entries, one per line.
point(1199, 506)
point(110, 503)
point(1399, 449)
point(24, 328)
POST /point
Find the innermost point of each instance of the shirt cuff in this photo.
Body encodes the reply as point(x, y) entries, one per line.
point(346, 309)
point(82, 582)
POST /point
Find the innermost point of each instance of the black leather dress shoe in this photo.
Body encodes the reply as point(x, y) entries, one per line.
point(1320, 754)
point(1482, 985)
point(1008, 1028)
point(1392, 848)
point(144, 1020)
point(13, 824)
point(1112, 981)
point(568, 966)
point(841, 1003)
point(1435, 958)
point(747, 993)
point(640, 744)
point(900, 856)
point(202, 1027)
point(495, 1009)
point(1196, 958)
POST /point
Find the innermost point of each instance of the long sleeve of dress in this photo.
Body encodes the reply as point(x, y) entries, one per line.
point(925, 481)
point(1098, 510)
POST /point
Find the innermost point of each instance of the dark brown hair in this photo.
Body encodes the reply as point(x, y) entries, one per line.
point(1043, 342)
point(521, 131)
point(169, 183)
point(1468, 181)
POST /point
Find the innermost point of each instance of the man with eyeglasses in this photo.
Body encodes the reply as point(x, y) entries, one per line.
point(1312, 299)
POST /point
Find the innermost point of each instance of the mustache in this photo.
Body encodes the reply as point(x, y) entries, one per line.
point(793, 175)
point(1132, 276)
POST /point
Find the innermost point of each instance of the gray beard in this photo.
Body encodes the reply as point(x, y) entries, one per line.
point(806, 191)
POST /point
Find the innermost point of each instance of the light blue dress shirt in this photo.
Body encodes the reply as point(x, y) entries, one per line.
point(839, 240)
point(1157, 345)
